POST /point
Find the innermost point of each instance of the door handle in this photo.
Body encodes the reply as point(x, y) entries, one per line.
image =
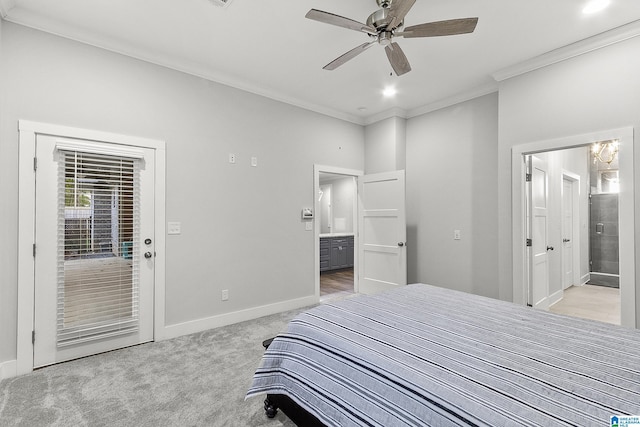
point(549, 248)
point(566, 240)
point(401, 244)
point(147, 255)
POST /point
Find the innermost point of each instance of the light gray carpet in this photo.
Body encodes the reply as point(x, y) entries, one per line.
point(195, 380)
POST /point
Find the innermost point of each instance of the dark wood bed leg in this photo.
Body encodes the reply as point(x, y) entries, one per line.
point(269, 408)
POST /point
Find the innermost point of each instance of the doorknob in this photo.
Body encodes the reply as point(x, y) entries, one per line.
point(401, 244)
point(147, 241)
point(549, 248)
point(147, 255)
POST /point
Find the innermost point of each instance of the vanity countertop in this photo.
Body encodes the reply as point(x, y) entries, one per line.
point(336, 235)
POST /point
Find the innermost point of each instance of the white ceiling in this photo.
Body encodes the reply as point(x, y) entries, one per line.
point(270, 48)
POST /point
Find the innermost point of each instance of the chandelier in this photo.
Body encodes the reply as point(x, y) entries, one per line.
point(605, 151)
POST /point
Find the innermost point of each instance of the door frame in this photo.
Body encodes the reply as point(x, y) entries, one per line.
point(28, 132)
point(317, 169)
point(575, 224)
point(627, 212)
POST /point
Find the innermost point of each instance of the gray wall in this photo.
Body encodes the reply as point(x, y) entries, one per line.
point(451, 185)
point(385, 145)
point(237, 233)
point(588, 93)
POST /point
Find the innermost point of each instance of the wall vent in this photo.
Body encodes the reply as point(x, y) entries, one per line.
point(221, 3)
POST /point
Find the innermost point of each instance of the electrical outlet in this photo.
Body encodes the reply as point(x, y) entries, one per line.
point(254, 162)
point(456, 235)
point(232, 158)
point(225, 294)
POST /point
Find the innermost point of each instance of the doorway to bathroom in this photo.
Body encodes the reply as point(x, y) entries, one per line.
point(337, 219)
point(558, 296)
point(604, 230)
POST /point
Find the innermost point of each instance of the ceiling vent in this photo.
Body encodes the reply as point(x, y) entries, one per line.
point(221, 3)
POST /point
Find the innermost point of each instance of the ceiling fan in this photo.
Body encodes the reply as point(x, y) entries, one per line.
point(386, 23)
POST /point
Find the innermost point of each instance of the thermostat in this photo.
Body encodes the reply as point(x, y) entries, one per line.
point(307, 213)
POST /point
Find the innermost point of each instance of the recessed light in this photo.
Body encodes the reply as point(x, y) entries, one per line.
point(595, 6)
point(363, 109)
point(389, 91)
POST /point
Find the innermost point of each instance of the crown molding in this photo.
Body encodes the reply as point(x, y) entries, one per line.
point(477, 92)
point(384, 115)
point(468, 95)
point(616, 35)
point(5, 7)
point(193, 69)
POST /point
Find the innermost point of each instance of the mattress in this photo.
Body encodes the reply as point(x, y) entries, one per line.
point(421, 355)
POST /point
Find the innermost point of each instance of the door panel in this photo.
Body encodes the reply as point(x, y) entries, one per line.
point(93, 284)
point(539, 232)
point(567, 233)
point(382, 231)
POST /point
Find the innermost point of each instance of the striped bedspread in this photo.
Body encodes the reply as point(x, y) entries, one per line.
point(426, 356)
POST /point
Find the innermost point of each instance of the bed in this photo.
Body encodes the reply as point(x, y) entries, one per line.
point(427, 356)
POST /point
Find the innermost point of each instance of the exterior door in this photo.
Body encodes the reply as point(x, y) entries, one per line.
point(567, 233)
point(94, 251)
point(539, 194)
point(382, 232)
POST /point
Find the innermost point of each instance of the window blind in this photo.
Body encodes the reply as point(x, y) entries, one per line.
point(98, 249)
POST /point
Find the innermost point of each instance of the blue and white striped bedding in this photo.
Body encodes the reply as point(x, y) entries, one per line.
point(426, 356)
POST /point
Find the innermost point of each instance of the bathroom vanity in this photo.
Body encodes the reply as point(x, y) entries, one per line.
point(336, 251)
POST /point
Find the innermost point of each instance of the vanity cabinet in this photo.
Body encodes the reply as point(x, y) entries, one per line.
point(336, 252)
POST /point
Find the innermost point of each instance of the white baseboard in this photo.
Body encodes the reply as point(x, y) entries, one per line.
point(585, 278)
point(555, 297)
point(8, 369)
point(195, 326)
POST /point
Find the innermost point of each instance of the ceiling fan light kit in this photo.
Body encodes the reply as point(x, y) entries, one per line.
point(221, 3)
point(386, 23)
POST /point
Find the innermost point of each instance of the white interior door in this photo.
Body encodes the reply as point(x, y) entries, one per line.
point(91, 297)
point(539, 231)
point(382, 231)
point(567, 233)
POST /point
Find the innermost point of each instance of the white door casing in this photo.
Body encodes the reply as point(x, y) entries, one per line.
point(382, 231)
point(539, 233)
point(28, 133)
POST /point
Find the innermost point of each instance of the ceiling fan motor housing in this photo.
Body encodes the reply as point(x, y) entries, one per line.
point(380, 20)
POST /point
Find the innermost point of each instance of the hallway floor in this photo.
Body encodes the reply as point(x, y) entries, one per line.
point(336, 284)
point(590, 302)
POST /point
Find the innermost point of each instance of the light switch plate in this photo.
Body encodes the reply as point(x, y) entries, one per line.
point(173, 228)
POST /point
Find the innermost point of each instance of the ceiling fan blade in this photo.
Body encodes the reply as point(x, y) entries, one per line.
point(348, 56)
point(340, 21)
point(398, 10)
point(441, 28)
point(398, 59)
